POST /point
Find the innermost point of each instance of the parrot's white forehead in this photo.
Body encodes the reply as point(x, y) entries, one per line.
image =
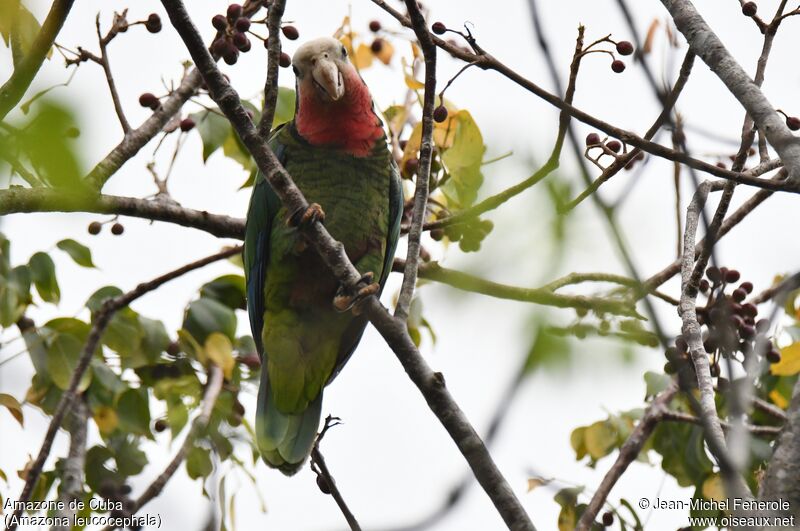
point(316, 47)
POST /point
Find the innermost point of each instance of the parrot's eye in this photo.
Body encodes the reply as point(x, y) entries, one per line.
point(344, 51)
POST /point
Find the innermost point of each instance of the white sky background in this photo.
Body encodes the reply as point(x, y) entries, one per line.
point(392, 459)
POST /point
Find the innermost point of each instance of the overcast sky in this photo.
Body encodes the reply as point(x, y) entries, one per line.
point(392, 459)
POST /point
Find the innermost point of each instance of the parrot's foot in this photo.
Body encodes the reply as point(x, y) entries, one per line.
point(310, 215)
point(345, 301)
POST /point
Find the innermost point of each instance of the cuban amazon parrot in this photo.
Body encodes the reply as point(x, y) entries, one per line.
point(335, 149)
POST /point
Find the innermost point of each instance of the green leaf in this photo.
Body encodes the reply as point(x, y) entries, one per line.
point(155, 339)
point(98, 475)
point(205, 316)
point(11, 308)
point(130, 459)
point(284, 106)
point(463, 160)
point(133, 410)
point(213, 128)
point(13, 406)
point(227, 289)
point(177, 416)
point(22, 23)
point(600, 439)
point(547, 350)
point(77, 251)
point(656, 382)
point(63, 354)
point(43, 274)
point(96, 299)
point(219, 349)
point(198, 462)
point(124, 335)
point(68, 325)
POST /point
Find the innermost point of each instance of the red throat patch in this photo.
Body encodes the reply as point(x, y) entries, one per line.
point(348, 124)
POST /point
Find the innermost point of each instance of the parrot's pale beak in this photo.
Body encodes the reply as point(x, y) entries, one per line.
point(328, 79)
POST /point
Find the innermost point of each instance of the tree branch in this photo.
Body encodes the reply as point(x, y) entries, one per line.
point(425, 154)
point(14, 88)
point(112, 86)
point(325, 479)
point(430, 384)
point(707, 45)
point(628, 452)
point(100, 321)
point(14, 200)
point(71, 487)
point(734, 483)
point(273, 57)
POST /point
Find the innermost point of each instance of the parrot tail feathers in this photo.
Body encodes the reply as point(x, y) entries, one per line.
point(285, 441)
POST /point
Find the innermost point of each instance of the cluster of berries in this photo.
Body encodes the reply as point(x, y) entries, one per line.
point(233, 29)
point(730, 323)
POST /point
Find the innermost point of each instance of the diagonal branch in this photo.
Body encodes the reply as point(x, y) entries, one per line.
point(13, 89)
point(273, 56)
point(708, 46)
point(101, 319)
point(425, 154)
point(394, 331)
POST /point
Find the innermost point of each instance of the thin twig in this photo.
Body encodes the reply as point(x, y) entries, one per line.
point(112, 87)
point(679, 416)
point(333, 255)
point(100, 321)
point(425, 154)
point(324, 476)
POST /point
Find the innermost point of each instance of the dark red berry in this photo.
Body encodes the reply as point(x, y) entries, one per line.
point(732, 276)
point(704, 285)
point(774, 355)
point(174, 348)
point(739, 294)
point(411, 166)
point(94, 227)
point(437, 234)
point(117, 229)
point(614, 145)
point(592, 139)
point(285, 61)
point(624, 48)
point(231, 54)
point(322, 483)
point(376, 46)
point(440, 113)
point(617, 66)
point(747, 286)
point(219, 22)
point(160, 425)
point(749, 9)
point(290, 32)
point(438, 28)
point(240, 40)
point(793, 123)
point(608, 518)
point(153, 23)
point(713, 274)
point(747, 332)
point(749, 309)
point(125, 489)
point(148, 99)
point(234, 12)
point(242, 25)
point(670, 368)
point(374, 26)
point(187, 124)
point(715, 370)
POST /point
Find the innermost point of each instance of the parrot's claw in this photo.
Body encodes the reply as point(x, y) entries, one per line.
point(344, 301)
point(306, 217)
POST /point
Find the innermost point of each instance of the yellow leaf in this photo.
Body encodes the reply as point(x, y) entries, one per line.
point(534, 483)
point(778, 399)
point(600, 438)
point(713, 488)
point(13, 406)
point(106, 419)
point(386, 52)
point(411, 150)
point(363, 57)
point(444, 133)
point(413, 84)
point(220, 351)
point(578, 441)
point(790, 361)
point(567, 518)
point(190, 346)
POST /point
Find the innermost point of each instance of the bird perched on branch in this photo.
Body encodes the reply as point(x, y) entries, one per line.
point(335, 149)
